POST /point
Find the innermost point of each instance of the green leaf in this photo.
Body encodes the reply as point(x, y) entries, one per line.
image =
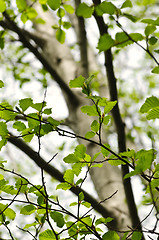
point(60, 35)
point(89, 79)
point(6, 112)
point(3, 142)
point(1, 84)
point(126, 4)
point(136, 36)
point(81, 196)
point(90, 134)
point(130, 174)
point(102, 101)
point(68, 8)
point(77, 82)
point(79, 181)
point(60, 13)
point(1, 177)
point(30, 225)
point(2, 6)
point(121, 39)
point(104, 151)
point(20, 126)
point(156, 168)
point(67, 25)
point(31, 13)
point(129, 154)
point(103, 220)
point(27, 134)
point(95, 156)
point(156, 70)
point(53, 122)
point(154, 183)
point(25, 103)
point(151, 21)
point(42, 210)
point(42, 1)
point(136, 236)
point(125, 236)
point(153, 113)
point(72, 229)
point(145, 159)
point(58, 218)
point(47, 111)
point(106, 120)
point(54, 4)
point(149, 30)
point(33, 120)
point(87, 158)
point(90, 110)
point(153, 40)
point(21, 5)
point(4, 187)
point(131, 17)
point(110, 235)
point(24, 17)
point(64, 186)
point(77, 167)
point(105, 42)
point(27, 210)
point(87, 220)
point(109, 106)
point(3, 129)
point(83, 10)
point(45, 129)
point(39, 106)
point(80, 151)
point(1, 43)
point(95, 126)
point(148, 21)
point(8, 211)
point(86, 204)
point(22, 185)
point(71, 158)
point(40, 21)
point(69, 176)
point(151, 102)
point(105, 7)
point(156, 22)
point(115, 162)
point(47, 234)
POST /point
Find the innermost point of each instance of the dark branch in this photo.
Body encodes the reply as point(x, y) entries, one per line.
point(55, 173)
point(12, 26)
point(82, 39)
point(120, 126)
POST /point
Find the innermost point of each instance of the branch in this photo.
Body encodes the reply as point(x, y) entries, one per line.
point(143, 48)
point(63, 122)
point(39, 56)
point(82, 40)
point(120, 126)
point(94, 66)
point(55, 173)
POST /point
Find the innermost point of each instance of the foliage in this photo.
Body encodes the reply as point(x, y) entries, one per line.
point(28, 120)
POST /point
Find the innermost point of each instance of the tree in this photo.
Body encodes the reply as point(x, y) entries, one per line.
point(41, 28)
